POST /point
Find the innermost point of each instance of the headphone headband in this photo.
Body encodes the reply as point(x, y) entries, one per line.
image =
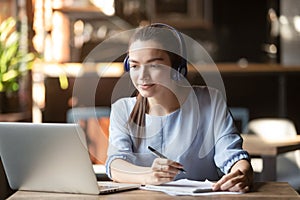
point(180, 39)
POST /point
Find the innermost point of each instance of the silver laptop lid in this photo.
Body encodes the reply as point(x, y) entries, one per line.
point(47, 157)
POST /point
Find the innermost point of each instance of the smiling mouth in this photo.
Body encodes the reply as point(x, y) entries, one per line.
point(146, 86)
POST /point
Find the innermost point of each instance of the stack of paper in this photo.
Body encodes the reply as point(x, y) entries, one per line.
point(186, 187)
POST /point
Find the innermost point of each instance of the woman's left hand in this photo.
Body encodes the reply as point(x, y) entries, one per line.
point(240, 178)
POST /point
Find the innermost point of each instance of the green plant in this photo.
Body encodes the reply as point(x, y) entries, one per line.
point(15, 61)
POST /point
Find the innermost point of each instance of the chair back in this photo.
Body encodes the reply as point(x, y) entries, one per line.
point(84, 113)
point(272, 128)
point(240, 114)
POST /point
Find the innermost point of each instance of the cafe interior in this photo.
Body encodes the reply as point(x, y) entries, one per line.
point(75, 51)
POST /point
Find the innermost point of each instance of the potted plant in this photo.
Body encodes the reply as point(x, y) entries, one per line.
point(15, 61)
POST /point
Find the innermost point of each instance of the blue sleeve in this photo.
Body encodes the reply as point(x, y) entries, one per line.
point(120, 142)
point(228, 146)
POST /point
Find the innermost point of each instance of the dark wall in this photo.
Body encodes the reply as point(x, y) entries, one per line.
point(58, 101)
point(258, 93)
point(242, 29)
point(293, 98)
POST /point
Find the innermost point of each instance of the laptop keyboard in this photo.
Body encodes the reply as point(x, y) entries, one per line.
point(104, 187)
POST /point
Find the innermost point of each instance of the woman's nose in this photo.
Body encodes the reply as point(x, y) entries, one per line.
point(144, 72)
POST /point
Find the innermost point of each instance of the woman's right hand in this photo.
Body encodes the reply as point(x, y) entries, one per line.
point(162, 171)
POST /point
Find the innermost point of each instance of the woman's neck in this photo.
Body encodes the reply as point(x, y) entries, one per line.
point(168, 101)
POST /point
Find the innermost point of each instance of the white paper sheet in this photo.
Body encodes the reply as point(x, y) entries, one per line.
point(185, 187)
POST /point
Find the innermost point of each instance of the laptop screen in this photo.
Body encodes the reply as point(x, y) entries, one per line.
point(47, 157)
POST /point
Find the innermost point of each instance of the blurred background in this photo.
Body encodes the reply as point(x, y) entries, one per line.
point(255, 44)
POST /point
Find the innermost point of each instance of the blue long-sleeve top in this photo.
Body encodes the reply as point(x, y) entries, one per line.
point(201, 135)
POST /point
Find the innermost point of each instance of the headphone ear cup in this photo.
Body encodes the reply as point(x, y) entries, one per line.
point(180, 72)
point(183, 67)
point(126, 64)
point(183, 71)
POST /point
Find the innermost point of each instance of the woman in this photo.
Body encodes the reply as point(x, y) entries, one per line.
point(191, 126)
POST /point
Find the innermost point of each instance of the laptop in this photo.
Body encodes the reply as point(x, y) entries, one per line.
point(50, 157)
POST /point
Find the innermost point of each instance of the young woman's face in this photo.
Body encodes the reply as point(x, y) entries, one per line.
point(149, 67)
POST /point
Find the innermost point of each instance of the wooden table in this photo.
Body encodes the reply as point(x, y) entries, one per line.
point(268, 151)
point(263, 190)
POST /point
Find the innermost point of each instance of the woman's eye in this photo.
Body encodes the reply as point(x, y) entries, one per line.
point(133, 66)
point(153, 65)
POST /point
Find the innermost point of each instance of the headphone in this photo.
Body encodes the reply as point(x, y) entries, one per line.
point(181, 67)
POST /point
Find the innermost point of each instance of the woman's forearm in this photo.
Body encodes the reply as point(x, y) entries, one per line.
point(123, 171)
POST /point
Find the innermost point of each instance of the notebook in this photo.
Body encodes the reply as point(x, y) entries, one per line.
point(50, 157)
point(186, 187)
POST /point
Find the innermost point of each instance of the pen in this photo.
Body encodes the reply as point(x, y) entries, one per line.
point(155, 152)
point(203, 190)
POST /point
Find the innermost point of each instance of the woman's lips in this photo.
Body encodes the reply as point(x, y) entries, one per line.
point(146, 86)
